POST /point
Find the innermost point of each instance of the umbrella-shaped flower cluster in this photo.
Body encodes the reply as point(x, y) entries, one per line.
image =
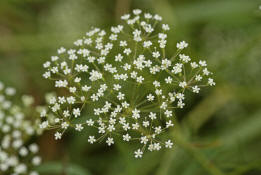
point(122, 83)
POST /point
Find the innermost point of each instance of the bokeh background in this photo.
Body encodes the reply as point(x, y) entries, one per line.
point(218, 133)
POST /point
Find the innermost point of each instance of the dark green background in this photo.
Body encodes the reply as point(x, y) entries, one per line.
point(218, 133)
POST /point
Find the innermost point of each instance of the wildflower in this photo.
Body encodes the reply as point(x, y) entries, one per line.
point(57, 135)
point(182, 45)
point(16, 127)
point(78, 127)
point(126, 137)
point(168, 144)
point(129, 87)
point(110, 141)
point(91, 139)
point(138, 153)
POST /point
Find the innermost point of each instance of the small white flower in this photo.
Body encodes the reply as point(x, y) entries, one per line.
point(146, 124)
point(76, 112)
point(165, 27)
point(150, 97)
point(58, 136)
point(152, 116)
point(198, 78)
point(110, 141)
point(36, 160)
point(126, 137)
point(211, 82)
point(156, 54)
point(169, 124)
point(147, 44)
point(121, 96)
point(118, 57)
point(90, 122)
point(183, 84)
point(157, 146)
point(168, 144)
point(127, 51)
point(91, 139)
point(182, 45)
point(65, 125)
point(202, 63)
point(195, 89)
point(138, 153)
point(78, 127)
point(136, 11)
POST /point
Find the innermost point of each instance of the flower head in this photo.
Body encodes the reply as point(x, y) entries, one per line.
point(17, 125)
point(122, 83)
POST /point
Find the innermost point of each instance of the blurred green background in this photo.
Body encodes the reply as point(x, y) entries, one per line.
point(218, 133)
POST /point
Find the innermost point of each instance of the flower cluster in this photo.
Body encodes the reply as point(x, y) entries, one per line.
point(17, 157)
point(122, 83)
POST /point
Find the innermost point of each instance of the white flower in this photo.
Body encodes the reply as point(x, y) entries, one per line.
point(156, 146)
point(90, 122)
point(147, 44)
point(121, 96)
point(127, 51)
point(36, 160)
point(157, 17)
point(118, 57)
point(124, 82)
point(44, 125)
point(135, 114)
point(202, 63)
point(47, 75)
point(169, 124)
point(195, 89)
point(91, 139)
point(61, 83)
point(198, 78)
point(65, 125)
point(168, 113)
point(135, 126)
point(180, 104)
point(10, 91)
point(168, 144)
point(76, 112)
point(158, 130)
point(61, 50)
point(150, 97)
point(146, 124)
point(184, 58)
point(136, 11)
point(165, 27)
point(110, 141)
point(183, 84)
point(123, 43)
point(211, 82)
point(194, 65)
point(182, 45)
point(78, 127)
point(152, 116)
point(168, 80)
point(86, 88)
point(156, 54)
point(126, 137)
point(140, 79)
point(95, 75)
point(138, 153)
point(57, 135)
